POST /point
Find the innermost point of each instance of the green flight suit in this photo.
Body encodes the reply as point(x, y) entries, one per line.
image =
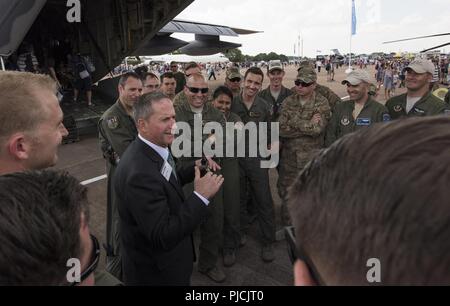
point(428, 105)
point(211, 230)
point(252, 173)
point(116, 131)
point(231, 195)
point(181, 81)
point(447, 103)
point(276, 104)
point(105, 279)
point(300, 141)
point(342, 121)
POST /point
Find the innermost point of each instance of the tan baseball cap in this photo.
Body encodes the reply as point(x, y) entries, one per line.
point(275, 65)
point(421, 66)
point(357, 77)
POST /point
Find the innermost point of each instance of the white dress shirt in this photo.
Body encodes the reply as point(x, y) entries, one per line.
point(164, 153)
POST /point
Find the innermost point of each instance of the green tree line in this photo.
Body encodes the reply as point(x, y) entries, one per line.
point(236, 56)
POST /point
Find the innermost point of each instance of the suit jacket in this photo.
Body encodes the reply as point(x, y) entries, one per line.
point(156, 221)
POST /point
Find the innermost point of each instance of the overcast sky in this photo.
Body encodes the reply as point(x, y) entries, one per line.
point(326, 24)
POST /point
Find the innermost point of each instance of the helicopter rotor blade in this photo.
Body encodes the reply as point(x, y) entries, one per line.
point(420, 37)
point(437, 47)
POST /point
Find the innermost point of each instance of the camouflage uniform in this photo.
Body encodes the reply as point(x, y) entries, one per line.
point(232, 73)
point(429, 105)
point(116, 131)
point(180, 99)
point(342, 121)
point(251, 171)
point(332, 98)
point(276, 105)
point(300, 138)
point(211, 229)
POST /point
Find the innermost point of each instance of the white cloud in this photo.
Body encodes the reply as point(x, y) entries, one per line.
point(325, 24)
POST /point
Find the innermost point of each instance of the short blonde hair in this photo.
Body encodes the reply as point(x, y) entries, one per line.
point(20, 110)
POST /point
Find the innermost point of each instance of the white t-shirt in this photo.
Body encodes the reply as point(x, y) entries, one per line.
point(410, 102)
point(275, 94)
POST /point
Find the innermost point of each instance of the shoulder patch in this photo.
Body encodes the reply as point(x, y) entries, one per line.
point(398, 108)
point(113, 123)
point(345, 121)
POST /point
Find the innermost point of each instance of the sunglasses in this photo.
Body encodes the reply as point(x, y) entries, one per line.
point(303, 84)
point(196, 90)
point(235, 80)
point(95, 258)
point(297, 252)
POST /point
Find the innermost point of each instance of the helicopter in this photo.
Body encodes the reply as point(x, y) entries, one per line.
point(422, 37)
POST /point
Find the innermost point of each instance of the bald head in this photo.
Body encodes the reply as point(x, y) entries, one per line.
point(196, 77)
point(196, 90)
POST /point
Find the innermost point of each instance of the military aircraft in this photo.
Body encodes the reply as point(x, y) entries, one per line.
point(106, 30)
point(422, 37)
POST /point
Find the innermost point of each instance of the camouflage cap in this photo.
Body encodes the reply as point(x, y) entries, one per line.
point(307, 75)
point(233, 73)
point(306, 64)
point(356, 77)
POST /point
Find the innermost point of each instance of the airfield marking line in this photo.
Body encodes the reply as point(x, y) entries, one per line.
point(102, 177)
point(94, 180)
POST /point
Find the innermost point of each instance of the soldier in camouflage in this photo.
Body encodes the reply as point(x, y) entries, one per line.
point(233, 80)
point(303, 120)
point(332, 98)
point(116, 131)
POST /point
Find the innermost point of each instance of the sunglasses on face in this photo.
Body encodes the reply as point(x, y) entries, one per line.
point(196, 90)
point(303, 84)
point(297, 252)
point(235, 80)
point(95, 258)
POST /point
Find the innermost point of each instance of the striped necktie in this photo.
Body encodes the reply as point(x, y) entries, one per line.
point(172, 164)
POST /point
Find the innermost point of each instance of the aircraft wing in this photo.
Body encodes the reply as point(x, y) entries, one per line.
point(16, 18)
point(207, 36)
